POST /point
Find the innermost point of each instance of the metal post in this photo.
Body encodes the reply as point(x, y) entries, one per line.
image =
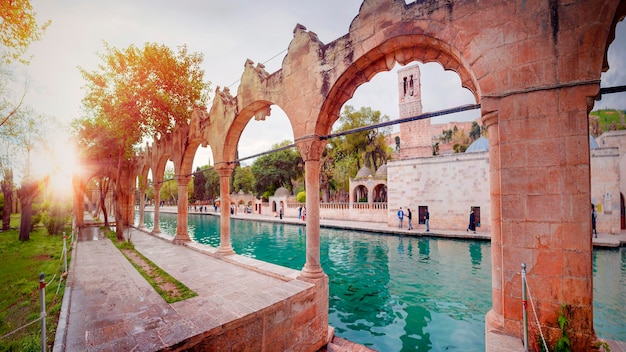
point(42, 303)
point(64, 252)
point(525, 318)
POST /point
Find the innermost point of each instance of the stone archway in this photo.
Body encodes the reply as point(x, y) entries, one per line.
point(534, 68)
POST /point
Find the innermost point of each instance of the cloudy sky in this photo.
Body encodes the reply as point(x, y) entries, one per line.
point(226, 33)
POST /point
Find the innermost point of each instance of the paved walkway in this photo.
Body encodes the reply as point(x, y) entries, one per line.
point(603, 239)
point(109, 306)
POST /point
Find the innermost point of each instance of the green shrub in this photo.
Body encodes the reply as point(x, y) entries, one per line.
point(301, 197)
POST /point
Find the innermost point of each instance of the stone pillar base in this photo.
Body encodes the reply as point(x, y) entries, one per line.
point(224, 251)
point(495, 338)
point(309, 273)
point(181, 239)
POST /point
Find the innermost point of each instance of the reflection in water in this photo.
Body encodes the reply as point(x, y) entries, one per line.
point(609, 289)
point(383, 295)
point(475, 253)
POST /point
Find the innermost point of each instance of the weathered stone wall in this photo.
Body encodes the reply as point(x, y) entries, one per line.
point(605, 191)
point(616, 139)
point(298, 321)
point(448, 185)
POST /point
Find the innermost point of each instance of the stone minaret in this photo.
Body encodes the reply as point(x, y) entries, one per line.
point(415, 139)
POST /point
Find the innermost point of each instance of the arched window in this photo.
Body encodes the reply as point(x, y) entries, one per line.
point(380, 193)
point(360, 194)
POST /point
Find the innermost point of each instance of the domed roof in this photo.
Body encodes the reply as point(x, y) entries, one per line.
point(593, 144)
point(364, 172)
point(478, 146)
point(282, 192)
point(382, 170)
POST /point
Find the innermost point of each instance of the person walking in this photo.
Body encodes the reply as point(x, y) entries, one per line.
point(280, 212)
point(409, 216)
point(594, 217)
point(426, 220)
point(400, 217)
point(472, 222)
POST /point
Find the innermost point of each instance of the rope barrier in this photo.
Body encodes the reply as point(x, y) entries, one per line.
point(21, 327)
point(20, 300)
point(39, 288)
point(532, 304)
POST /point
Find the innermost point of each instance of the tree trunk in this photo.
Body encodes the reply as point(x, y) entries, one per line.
point(26, 221)
point(104, 210)
point(7, 190)
point(26, 195)
point(119, 223)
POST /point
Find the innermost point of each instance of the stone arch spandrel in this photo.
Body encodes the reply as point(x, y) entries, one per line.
point(186, 165)
point(222, 114)
point(378, 40)
point(159, 168)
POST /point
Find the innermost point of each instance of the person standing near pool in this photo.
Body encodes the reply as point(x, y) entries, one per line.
point(426, 220)
point(472, 222)
point(409, 216)
point(400, 217)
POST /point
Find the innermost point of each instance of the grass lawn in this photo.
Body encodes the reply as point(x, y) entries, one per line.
point(21, 264)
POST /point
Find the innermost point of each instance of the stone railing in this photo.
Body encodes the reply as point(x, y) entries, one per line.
point(379, 205)
point(376, 212)
point(334, 205)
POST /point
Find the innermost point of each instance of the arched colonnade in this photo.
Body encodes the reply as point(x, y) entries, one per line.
point(535, 69)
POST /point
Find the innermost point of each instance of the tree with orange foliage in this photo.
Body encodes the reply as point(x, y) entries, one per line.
point(137, 94)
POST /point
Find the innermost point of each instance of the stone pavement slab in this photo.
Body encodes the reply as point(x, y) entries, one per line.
point(113, 308)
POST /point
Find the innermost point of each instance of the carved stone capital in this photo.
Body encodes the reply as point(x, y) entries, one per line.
point(224, 169)
point(311, 147)
point(491, 118)
point(182, 179)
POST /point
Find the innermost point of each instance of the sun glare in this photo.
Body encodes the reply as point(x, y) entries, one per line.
point(60, 163)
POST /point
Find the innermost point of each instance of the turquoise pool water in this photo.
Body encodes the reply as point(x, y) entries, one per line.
point(395, 293)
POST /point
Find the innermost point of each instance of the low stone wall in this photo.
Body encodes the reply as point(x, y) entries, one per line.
point(338, 211)
point(296, 322)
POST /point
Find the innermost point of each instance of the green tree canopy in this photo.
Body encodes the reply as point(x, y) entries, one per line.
point(243, 179)
point(199, 184)
point(369, 146)
point(277, 169)
point(212, 184)
point(345, 155)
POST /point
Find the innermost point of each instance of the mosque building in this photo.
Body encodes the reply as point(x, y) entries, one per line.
point(451, 186)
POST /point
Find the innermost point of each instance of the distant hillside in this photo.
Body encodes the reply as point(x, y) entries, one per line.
point(604, 120)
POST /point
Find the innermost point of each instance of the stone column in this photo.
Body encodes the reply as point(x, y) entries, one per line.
point(494, 318)
point(142, 204)
point(182, 229)
point(370, 193)
point(540, 192)
point(225, 170)
point(157, 201)
point(311, 149)
point(79, 202)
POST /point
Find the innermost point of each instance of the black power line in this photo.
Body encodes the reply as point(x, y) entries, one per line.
point(357, 130)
